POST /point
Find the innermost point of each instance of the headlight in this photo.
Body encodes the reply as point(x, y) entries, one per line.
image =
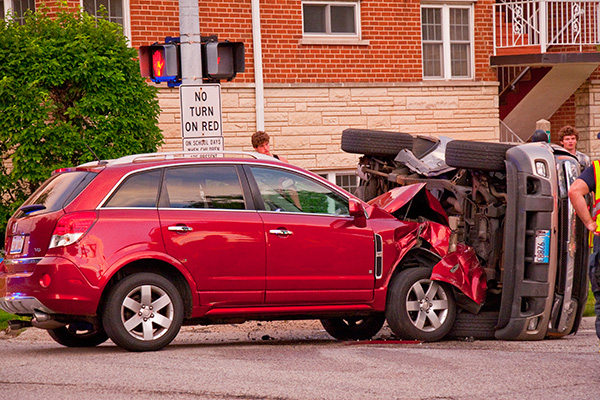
point(541, 169)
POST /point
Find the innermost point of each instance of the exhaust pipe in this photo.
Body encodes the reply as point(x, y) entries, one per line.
point(43, 320)
point(15, 325)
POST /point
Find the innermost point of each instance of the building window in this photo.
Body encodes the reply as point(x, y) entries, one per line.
point(347, 180)
point(17, 8)
point(114, 9)
point(117, 11)
point(331, 18)
point(447, 33)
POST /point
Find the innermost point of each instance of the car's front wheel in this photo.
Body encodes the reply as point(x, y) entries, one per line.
point(79, 334)
point(354, 328)
point(419, 308)
point(143, 312)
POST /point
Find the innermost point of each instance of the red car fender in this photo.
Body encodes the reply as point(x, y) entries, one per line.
point(459, 268)
point(462, 270)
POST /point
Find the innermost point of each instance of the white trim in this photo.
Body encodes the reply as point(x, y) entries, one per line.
point(356, 36)
point(446, 43)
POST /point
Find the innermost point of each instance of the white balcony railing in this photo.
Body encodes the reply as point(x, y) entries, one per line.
point(539, 24)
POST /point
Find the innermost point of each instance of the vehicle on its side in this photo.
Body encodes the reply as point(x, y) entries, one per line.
point(509, 203)
point(132, 249)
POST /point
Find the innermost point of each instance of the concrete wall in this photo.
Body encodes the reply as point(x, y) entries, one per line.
point(305, 121)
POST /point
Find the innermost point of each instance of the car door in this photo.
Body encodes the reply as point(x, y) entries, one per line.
point(209, 226)
point(315, 253)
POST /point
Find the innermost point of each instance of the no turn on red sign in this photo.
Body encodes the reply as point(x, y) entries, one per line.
point(201, 116)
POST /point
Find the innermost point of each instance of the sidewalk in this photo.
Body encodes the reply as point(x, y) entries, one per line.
point(588, 323)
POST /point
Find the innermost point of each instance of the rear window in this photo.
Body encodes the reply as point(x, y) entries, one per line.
point(58, 191)
point(137, 191)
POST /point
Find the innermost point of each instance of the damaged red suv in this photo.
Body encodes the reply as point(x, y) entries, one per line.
point(132, 249)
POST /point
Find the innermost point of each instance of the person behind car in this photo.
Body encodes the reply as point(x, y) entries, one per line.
point(589, 182)
point(260, 142)
point(568, 136)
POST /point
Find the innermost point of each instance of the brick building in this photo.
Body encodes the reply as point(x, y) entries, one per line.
point(476, 70)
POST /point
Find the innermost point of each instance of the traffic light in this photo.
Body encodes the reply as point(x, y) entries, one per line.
point(222, 60)
point(160, 62)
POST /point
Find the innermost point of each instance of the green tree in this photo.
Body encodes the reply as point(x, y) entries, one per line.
point(68, 83)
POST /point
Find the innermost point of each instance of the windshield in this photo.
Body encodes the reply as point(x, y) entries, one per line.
point(58, 191)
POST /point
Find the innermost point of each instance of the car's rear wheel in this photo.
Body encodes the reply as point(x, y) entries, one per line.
point(143, 312)
point(419, 308)
point(482, 156)
point(354, 328)
point(79, 334)
point(375, 143)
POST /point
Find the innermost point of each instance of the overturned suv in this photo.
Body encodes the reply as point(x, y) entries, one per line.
point(132, 249)
point(508, 203)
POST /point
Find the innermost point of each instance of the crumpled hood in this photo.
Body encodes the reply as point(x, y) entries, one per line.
point(411, 202)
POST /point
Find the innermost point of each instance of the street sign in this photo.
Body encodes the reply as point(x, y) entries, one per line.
point(201, 110)
point(203, 144)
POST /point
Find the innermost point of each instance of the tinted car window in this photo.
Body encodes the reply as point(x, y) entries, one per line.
point(60, 190)
point(138, 190)
point(286, 191)
point(211, 186)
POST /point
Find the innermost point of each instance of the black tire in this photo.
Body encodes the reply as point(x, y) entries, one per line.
point(411, 314)
point(79, 334)
point(481, 326)
point(375, 143)
point(143, 312)
point(482, 156)
point(354, 328)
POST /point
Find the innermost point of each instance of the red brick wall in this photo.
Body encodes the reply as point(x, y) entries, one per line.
point(565, 115)
point(391, 27)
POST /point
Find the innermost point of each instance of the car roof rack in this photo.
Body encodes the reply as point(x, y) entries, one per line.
point(173, 155)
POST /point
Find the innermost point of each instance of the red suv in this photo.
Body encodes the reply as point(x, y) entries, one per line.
point(131, 249)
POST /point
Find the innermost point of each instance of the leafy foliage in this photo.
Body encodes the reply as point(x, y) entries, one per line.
point(67, 83)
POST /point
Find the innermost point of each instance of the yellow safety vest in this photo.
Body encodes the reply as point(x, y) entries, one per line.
point(596, 206)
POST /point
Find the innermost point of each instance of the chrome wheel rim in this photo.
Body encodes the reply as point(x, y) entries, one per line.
point(147, 312)
point(427, 305)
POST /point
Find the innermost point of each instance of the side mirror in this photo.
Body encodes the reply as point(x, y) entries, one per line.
point(357, 211)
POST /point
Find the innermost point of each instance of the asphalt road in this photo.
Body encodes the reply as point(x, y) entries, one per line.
point(298, 360)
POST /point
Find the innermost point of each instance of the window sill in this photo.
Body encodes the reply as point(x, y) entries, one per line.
point(334, 41)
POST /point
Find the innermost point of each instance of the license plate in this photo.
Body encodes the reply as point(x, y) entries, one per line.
point(542, 246)
point(16, 245)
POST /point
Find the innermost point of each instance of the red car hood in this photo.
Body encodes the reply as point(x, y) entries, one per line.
point(411, 201)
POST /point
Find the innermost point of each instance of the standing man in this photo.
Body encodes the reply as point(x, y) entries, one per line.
point(568, 137)
point(260, 142)
point(589, 182)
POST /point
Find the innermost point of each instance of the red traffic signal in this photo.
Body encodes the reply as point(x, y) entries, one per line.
point(160, 62)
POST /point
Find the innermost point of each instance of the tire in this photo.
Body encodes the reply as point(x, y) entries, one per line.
point(143, 312)
point(410, 292)
point(354, 328)
point(79, 334)
point(477, 155)
point(481, 326)
point(375, 143)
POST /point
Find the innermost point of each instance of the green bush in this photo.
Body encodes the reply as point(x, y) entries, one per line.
point(69, 87)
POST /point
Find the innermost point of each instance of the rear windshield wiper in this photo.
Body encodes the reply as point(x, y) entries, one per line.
point(32, 207)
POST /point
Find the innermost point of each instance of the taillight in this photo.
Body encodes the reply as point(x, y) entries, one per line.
point(71, 227)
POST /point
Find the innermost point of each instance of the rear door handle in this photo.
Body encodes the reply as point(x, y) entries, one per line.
point(280, 232)
point(180, 228)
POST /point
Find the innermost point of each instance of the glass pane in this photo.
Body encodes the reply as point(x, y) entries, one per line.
point(89, 6)
point(432, 60)
point(314, 18)
point(60, 189)
point(285, 191)
point(116, 10)
point(342, 19)
point(2, 9)
point(431, 24)
point(459, 54)
point(216, 187)
point(346, 182)
point(139, 190)
point(459, 24)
